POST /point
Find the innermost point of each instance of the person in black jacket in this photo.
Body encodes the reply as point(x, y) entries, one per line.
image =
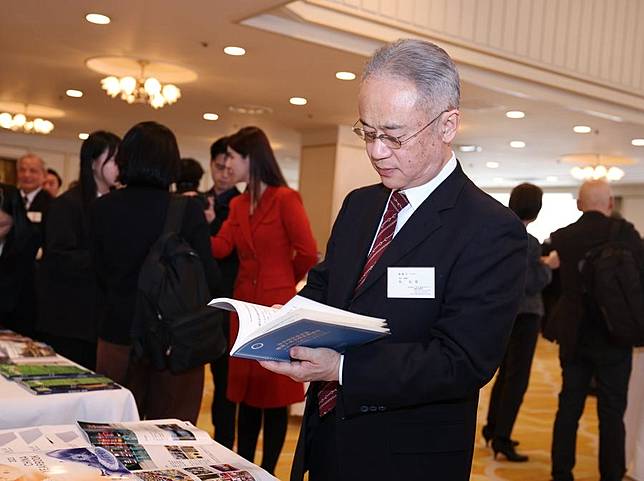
point(31, 176)
point(223, 191)
point(124, 225)
point(514, 373)
point(70, 307)
point(18, 246)
point(585, 347)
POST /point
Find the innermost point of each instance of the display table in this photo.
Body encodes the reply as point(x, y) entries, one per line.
point(20, 408)
point(634, 418)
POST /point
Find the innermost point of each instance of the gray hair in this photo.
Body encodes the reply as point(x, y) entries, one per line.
point(423, 63)
point(30, 155)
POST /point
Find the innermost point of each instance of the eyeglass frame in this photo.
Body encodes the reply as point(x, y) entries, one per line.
point(372, 137)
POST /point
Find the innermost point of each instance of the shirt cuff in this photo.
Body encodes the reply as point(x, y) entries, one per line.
point(340, 371)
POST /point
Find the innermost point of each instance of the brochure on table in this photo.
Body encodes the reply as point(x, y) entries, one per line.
point(161, 450)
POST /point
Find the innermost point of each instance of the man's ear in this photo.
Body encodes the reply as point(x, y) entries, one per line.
point(450, 125)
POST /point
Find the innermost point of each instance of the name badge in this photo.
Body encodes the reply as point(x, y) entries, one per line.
point(35, 217)
point(410, 282)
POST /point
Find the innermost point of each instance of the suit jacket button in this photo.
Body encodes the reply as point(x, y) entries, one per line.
point(364, 409)
point(373, 409)
point(382, 408)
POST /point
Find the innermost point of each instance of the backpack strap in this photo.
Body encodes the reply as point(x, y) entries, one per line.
point(174, 216)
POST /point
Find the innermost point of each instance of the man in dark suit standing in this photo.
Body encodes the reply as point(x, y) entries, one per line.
point(222, 192)
point(585, 347)
point(439, 259)
point(31, 176)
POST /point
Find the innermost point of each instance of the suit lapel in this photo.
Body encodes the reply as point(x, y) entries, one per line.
point(264, 206)
point(423, 223)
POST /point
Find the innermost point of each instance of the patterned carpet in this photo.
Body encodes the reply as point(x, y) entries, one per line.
point(533, 429)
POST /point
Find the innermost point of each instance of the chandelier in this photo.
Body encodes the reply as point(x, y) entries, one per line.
point(22, 123)
point(597, 172)
point(141, 90)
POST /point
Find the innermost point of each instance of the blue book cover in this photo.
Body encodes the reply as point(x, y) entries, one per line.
point(275, 345)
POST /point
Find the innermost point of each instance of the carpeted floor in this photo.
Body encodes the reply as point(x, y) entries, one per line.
point(533, 429)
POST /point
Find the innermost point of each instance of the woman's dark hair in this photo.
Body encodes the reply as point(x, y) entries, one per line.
point(148, 155)
point(190, 173)
point(525, 201)
point(92, 148)
point(22, 230)
point(252, 142)
point(55, 174)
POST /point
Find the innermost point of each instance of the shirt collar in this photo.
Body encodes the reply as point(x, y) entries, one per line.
point(30, 196)
point(417, 195)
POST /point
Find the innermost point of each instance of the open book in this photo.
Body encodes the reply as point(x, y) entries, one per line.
point(267, 333)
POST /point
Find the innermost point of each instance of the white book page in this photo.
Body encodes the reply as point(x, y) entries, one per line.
point(300, 302)
point(251, 317)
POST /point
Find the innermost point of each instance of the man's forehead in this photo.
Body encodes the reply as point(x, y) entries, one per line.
point(32, 161)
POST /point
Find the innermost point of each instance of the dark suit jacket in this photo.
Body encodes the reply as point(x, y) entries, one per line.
point(69, 301)
point(407, 406)
point(228, 265)
point(124, 225)
point(573, 321)
point(41, 204)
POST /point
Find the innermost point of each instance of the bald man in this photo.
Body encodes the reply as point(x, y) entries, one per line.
point(585, 348)
point(31, 176)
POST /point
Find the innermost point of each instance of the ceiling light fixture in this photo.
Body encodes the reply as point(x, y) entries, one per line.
point(210, 116)
point(298, 100)
point(582, 129)
point(597, 172)
point(74, 93)
point(21, 123)
point(637, 142)
point(235, 51)
point(492, 165)
point(514, 114)
point(83, 135)
point(345, 75)
point(517, 144)
point(98, 18)
point(142, 90)
point(470, 148)
point(250, 109)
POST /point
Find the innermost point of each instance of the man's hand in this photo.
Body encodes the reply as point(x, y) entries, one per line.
point(308, 364)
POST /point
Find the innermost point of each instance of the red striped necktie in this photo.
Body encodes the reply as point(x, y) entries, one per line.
point(328, 394)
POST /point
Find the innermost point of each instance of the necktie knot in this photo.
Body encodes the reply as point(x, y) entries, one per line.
point(398, 201)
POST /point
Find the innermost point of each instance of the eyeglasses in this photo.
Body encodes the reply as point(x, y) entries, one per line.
point(390, 141)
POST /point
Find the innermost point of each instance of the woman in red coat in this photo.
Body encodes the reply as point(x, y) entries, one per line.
point(268, 227)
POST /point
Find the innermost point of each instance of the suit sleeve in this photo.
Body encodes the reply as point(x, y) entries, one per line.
point(298, 231)
point(538, 275)
point(466, 343)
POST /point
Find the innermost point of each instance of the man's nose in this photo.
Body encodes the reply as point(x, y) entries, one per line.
point(378, 150)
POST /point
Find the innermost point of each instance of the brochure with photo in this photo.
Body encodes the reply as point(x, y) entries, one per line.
point(25, 351)
point(59, 385)
point(39, 371)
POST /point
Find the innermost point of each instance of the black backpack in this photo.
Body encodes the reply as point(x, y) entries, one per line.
point(173, 327)
point(612, 282)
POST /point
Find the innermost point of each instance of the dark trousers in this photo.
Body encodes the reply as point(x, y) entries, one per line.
point(322, 450)
point(78, 350)
point(223, 410)
point(250, 422)
point(158, 394)
point(611, 368)
point(513, 376)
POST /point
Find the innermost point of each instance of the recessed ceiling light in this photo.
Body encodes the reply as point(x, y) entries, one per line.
point(83, 135)
point(492, 165)
point(297, 100)
point(345, 75)
point(582, 129)
point(517, 144)
point(74, 93)
point(514, 114)
point(234, 51)
point(637, 142)
point(470, 148)
point(552, 178)
point(210, 116)
point(97, 18)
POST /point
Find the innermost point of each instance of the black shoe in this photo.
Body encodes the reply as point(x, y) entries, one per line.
point(488, 435)
point(505, 447)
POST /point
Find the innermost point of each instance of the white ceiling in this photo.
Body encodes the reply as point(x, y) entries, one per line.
point(45, 46)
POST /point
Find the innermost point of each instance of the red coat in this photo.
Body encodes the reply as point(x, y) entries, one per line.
point(276, 249)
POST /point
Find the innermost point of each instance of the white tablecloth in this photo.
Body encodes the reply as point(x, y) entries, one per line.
point(20, 408)
point(634, 418)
